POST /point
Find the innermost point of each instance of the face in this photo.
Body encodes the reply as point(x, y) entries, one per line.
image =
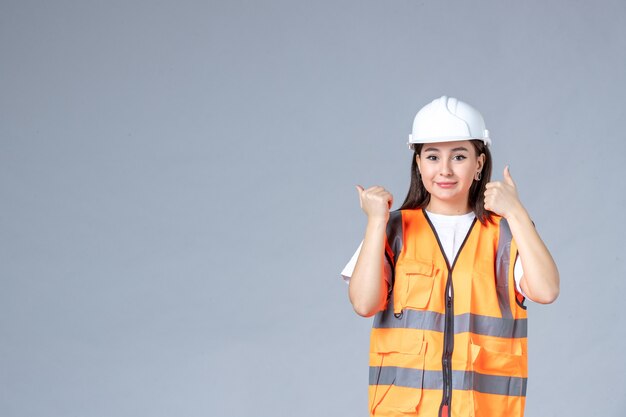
point(448, 170)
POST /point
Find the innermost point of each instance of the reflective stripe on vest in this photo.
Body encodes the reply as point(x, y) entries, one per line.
point(452, 339)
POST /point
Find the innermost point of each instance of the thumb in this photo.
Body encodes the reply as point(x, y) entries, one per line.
point(360, 190)
point(507, 176)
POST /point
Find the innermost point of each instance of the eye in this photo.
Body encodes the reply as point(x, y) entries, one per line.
point(431, 157)
point(459, 157)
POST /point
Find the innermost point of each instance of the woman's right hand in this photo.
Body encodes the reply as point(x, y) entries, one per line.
point(375, 201)
point(368, 287)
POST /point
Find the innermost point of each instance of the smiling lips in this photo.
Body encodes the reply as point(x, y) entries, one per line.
point(446, 184)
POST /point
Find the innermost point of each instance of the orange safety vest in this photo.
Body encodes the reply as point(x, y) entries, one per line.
point(451, 341)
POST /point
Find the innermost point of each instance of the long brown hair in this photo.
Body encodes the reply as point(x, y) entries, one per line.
point(418, 197)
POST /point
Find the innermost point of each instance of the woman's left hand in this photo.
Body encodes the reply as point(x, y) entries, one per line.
point(541, 281)
point(501, 196)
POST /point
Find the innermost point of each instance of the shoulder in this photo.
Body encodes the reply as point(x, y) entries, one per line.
point(500, 230)
point(394, 224)
point(494, 222)
point(398, 218)
point(395, 234)
point(500, 222)
point(395, 216)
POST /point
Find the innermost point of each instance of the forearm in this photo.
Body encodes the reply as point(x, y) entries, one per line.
point(368, 288)
point(540, 281)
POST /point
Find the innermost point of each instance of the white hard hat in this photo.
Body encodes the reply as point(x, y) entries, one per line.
point(447, 119)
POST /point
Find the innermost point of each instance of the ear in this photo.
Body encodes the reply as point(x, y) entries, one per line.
point(481, 161)
point(417, 159)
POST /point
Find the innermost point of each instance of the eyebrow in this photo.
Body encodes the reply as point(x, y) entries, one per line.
point(462, 148)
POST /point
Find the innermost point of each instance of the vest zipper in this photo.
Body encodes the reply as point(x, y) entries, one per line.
point(448, 333)
point(448, 348)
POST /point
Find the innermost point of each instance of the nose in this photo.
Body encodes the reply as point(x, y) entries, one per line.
point(446, 167)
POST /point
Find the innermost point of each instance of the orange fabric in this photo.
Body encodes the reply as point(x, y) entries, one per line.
point(488, 361)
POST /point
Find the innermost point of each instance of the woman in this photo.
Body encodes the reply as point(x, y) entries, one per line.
point(446, 276)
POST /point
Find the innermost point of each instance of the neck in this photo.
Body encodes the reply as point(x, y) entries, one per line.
point(448, 209)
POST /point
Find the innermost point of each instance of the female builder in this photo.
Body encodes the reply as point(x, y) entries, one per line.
point(446, 276)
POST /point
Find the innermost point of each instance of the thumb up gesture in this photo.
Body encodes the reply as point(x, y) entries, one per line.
point(501, 196)
point(375, 201)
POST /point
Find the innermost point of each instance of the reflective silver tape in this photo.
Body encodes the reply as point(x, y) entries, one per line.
point(461, 380)
point(503, 262)
point(468, 322)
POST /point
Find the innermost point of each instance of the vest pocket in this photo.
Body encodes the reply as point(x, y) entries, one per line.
point(490, 362)
point(497, 386)
point(414, 285)
point(396, 377)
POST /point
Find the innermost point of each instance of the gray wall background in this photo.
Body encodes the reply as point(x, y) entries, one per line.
point(177, 193)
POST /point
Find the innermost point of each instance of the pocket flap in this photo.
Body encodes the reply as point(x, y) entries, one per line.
point(402, 342)
point(412, 267)
point(489, 362)
point(414, 284)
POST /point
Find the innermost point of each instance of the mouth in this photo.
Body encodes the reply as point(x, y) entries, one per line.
point(445, 184)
